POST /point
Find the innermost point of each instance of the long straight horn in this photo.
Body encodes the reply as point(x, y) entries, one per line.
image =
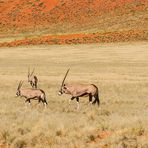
point(32, 72)
point(28, 71)
point(20, 84)
point(65, 77)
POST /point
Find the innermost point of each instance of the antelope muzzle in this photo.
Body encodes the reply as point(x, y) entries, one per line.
point(60, 93)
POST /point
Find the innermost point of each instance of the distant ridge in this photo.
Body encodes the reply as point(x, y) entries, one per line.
point(70, 16)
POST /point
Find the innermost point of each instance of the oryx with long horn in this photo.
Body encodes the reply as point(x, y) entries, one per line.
point(30, 93)
point(32, 79)
point(80, 90)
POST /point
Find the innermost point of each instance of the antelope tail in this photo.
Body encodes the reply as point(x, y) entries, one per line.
point(97, 100)
point(45, 100)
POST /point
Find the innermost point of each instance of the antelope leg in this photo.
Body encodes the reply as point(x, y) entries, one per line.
point(71, 99)
point(78, 105)
point(90, 99)
point(45, 105)
point(28, 100)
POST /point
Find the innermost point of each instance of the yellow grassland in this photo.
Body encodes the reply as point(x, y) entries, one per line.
point(120, 70)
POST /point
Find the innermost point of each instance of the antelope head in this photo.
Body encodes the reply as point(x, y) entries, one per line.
point(18, 88)
point(30, 75)
point(61, 91)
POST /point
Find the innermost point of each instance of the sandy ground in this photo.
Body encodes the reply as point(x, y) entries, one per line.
point(120, 72)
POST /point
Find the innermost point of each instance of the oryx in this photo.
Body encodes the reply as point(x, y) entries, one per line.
point(30, 93)
point(32, 79)
point(80, 90)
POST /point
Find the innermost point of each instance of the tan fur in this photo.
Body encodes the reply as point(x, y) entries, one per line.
point(80, 90)
point(30, 93)
point(77, 90)
point(32, 79)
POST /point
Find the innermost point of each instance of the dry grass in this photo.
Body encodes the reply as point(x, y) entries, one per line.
point(119, 70)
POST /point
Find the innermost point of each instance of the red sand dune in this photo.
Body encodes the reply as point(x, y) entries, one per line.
point(64, 16)
point(131, 35)
point(22, 14)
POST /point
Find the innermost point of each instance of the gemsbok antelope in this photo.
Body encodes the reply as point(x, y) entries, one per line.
point(30, 93)
point(80, 90)
point(32, 79)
